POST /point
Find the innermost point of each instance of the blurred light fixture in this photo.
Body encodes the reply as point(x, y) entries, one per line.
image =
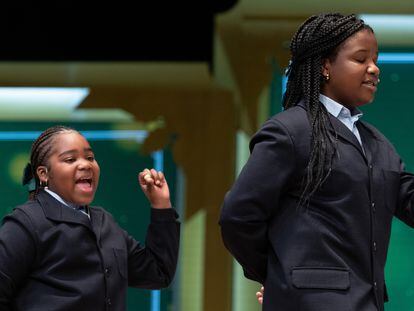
point(388, 21)
point(391, 29)
point(396, 58)
point(41, 98)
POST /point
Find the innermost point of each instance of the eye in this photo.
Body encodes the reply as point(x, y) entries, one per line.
point(90, 158)
point(69, 160)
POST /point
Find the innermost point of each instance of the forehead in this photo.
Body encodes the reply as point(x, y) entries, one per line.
point(69, 141)
point(361, 40)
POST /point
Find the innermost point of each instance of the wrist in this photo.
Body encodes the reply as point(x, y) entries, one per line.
point(161, 205)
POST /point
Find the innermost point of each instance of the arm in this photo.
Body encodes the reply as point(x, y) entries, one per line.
point(153, 266)
point(405, 205)
point(17, 251)
point(254, 198)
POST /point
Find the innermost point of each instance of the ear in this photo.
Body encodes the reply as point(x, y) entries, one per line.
point(42, 173)
point(326, 66)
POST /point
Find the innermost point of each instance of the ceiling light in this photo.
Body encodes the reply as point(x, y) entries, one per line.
point(41, 98)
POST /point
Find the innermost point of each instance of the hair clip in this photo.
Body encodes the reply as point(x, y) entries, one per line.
point(31, 185)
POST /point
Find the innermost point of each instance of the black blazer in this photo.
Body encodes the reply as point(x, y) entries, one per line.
point(54, 258)
point(331, 254)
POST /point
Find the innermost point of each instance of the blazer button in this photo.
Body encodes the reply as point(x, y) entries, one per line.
point(375, 246)
point(375, 286)
point(107, 271)
point(108, 301)
point(373, 207)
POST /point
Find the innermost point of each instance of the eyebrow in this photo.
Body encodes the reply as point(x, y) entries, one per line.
point(74, 151)
point(365, 50)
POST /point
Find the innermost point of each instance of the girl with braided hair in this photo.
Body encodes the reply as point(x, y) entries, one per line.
point(309, 216)
point(59, 253)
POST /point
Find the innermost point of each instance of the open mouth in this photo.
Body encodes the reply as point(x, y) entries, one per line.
point(371, 83)
point(85, 183)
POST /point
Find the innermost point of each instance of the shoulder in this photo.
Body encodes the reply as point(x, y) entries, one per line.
point(293, 120)
point(30, 210)
point(291, 123)
point(28, 215)
point(293, 116)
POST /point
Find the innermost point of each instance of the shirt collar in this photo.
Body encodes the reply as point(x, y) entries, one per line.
point(337, 110)
point(57, 197)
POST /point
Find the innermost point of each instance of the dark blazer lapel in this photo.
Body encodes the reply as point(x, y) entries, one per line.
point(56, 211)
point(342, 131)
point(345, 133)
point(369, 140)
point(96, 220)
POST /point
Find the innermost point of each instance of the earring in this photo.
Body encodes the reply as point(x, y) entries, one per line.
point(378, 81)
point(327, 77)
point(43, 184)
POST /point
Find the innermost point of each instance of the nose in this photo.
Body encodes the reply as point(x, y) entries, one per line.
point(373, 69)
point(84, 164)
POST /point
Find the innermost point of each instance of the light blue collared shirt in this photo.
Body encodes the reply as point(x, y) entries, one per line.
point(57, 197)
point(343, 114)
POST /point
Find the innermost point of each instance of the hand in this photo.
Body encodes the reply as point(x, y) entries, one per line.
point(259, 295)
point(155, 188)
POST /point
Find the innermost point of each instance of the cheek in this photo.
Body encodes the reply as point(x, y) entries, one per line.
point(97, 170)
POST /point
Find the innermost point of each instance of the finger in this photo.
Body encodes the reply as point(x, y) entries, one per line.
point(148, 179)
point(155, 177)
point(161, 176)
point(160, 179)
point(262, 289)
point(145, 172)
point(141, 178)
point(154, 173)
point(144, 175)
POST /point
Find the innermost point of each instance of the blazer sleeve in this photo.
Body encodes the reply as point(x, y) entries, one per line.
point(153, 266)
point(17, 251)
point(405, 205)
point(255, 196)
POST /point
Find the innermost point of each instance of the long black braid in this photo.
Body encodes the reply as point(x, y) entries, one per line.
point(39, 155)
point(317, 39)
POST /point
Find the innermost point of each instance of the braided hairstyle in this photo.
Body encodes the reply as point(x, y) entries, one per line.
point(39, 155)
point(317, 39)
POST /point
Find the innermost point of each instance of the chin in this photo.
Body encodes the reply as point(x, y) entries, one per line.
point(84, 201)
point(364, 102)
